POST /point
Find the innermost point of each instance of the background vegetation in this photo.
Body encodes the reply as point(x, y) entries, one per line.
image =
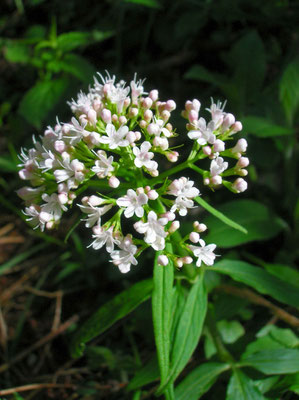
point(240, 50)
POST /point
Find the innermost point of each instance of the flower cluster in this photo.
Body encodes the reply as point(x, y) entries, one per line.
point(115, 144)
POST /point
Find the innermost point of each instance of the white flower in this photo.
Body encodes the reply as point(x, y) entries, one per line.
point(72, 172)
point(203, 133)
point(183, 189)
point(83, 103)
point(204, 253)
point(136, 88)
point(33, 213)
point(217, 113)
point(143, 157)
point(157, 127)
point(74, 132)
point(94, 214)
point(218, 166)
point(115, 138)
point(52, 209)
point(153, 230)
point(103, 166)
point(103, 237)
point(133, 203)
point(125, 257)
point(30, 194)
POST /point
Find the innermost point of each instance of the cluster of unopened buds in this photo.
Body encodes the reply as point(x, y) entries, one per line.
point(109, 147)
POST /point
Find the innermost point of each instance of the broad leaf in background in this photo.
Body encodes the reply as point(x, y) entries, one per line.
point(162, 298)
point(259, 221)
point(147, 374)
point(260, 280)
point(199, 381)
point(147, 3)
point(117, 308)
point(263, 128)
point(289, 89)
point(240, 387)
point(283, 272)
point(71, 40)
point(189, 330)
point(274, 361)
point(220, 215)
point(40, 99)
point(76, 66)
point(16, 52)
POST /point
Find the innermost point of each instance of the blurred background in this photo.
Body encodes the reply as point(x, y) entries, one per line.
point(242, 51)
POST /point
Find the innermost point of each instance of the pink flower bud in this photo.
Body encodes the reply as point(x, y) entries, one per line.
point(165, 115)
point(143, 124)
point(206, 181)
point(95, 200)
point(97, 104)
point(196, 105)
point(106, 116)
point(169, 127)
point(194, 237)
point(202, 228)
point(228, 121)
point(127, 102)
point(137, 136)
point(192, 116)
point(113, 182)
point(170, 105)
point(179, 263)
point(133, 112)
point(207, 150)
point(153, 172)
point(92, 117)
point(59, 146)
point(148, 115)
point(154, 95)
point(219, 146)
point(174, 226)
point(50, 225)
point(172, 156)
point(243, 172)
point(240, 185)
point(65, 129)
point(240, 147)
point(169, 215)
point(216, 180)
point(140, 190)
point(187, 260)
point(83, 119)
point(147, 102)
point(152, 194)
point(163, 260)
point(122, 120)
point(188, 105)
point(114, 118)
point(131, 137)
point(243, 162)
point(237, 127)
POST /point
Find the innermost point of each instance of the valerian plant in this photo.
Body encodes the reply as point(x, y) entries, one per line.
point(113, 150)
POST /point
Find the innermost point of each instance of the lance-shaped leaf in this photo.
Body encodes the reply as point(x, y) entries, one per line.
point(188, 330)
point(260, 280)
point(220, 215)
point(199, 381)
point(274, 361)
point(115, 309)
point(162, 307)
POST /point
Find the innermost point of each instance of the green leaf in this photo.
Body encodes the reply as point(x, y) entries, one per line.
point(240, 387)
point(263, 128)
point(147, 374)
point(284, 336)
point(199, 381)
point(17, 52)
point(147, 3)
point(289, 89)
point(71, 40)
point(162, 298)
point(200, 73)
point(260, 222)
point(274, 361)
point(41, 99)
point(284, 272)
point(259, 279)
point(76, 66)
point(220, 215)
point(264, 385)
point(111, 312)
point(230, 331)
point(188, 331)
point(7, 164)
